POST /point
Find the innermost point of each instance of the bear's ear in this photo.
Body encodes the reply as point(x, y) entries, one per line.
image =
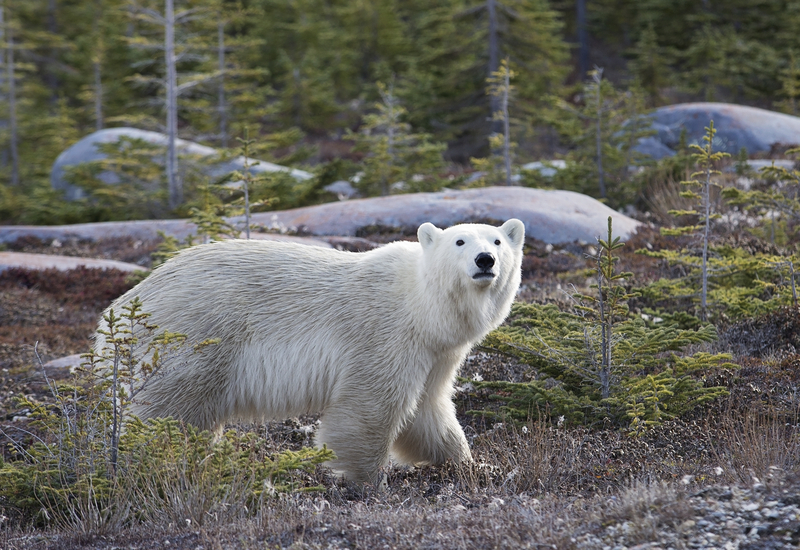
point(427, 234)
point(515, 230)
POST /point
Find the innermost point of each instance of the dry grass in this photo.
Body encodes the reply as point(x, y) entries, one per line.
point(662, 194)
point(536, 458)
point(755, 447)
point(643, 508)
point(537, 486)
point(526, 489)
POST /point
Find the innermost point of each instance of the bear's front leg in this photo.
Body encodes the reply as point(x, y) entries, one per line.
point(360, 440)
point(435, 434)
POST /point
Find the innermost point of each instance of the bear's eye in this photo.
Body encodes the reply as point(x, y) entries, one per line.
point(459, 242)
point(497, 242)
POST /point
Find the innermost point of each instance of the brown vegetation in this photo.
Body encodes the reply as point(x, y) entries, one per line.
point(730, 472)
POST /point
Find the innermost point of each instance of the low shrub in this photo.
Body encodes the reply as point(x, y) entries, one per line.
point(80, 471)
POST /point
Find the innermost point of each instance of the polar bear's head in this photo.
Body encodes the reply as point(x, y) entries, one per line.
point(478, 255)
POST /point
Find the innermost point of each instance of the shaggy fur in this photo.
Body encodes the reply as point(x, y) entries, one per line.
point(371, 340)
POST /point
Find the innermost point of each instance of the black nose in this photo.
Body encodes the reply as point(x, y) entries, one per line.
point(484, 260)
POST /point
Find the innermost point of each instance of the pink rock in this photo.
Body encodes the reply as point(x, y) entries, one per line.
point(141, 229)
point(70, 362)
point(62, 263)
point(550, 216)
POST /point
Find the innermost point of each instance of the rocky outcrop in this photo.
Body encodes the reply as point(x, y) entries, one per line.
point(145, 230)
point(757, 130)
point(550, 216)
point(86, 150)
point(62, 263)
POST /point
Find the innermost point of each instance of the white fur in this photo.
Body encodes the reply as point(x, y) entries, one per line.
point(371, 340)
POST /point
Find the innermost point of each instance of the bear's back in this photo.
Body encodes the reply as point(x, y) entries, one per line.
point(213, 290)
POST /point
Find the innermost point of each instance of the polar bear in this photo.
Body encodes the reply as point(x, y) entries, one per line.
point(372, 340)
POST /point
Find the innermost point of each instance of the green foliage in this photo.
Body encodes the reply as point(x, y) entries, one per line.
point(725, 52)
point(497, 166)
point(721, 60)
point(452, 45)
point(741, 284)
point(565, 351)
point(601, 364)
point(129, 183)
point(232, 94)
point(733, 283)
point(706, 159)
point(790, 85)
point(396, 158)
point(776, 201)
point(82, 472)
point(650, 66)
point(164, 469)
point(250, 184)
point(603, 130)
point(314, 65)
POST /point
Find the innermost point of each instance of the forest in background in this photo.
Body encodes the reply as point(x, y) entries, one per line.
point(303, 76)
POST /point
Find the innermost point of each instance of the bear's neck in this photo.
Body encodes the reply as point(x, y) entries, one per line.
point(454, 314)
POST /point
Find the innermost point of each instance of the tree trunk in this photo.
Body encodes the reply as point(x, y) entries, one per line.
point(97, 66)
point(507, 124)
point(598, 78)
point(175, 188)
point(707, 205)
point(98, 97)
point(223, 115)
point(605, 339)
point(494, 62)
point(3, 124)
point(12, 107)
point(583, 41)
point(50, 76)
point(296, 98)
point(390, 140)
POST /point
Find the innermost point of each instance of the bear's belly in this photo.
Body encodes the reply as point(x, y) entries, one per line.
point(276, 381)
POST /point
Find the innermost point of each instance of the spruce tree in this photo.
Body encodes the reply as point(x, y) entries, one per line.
point(706, 159)
point(176, 46)
point(724, 281)
point(603, 131)
point(599, 362)
point(650, 66)
point(730, 51)
point(235, 95)
point(11, 81)
point(459, 47)
point(790, 85)
point(497, 166)
point(396, 158)
point(372, 36)
point(305, 63)
point(32, 112)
